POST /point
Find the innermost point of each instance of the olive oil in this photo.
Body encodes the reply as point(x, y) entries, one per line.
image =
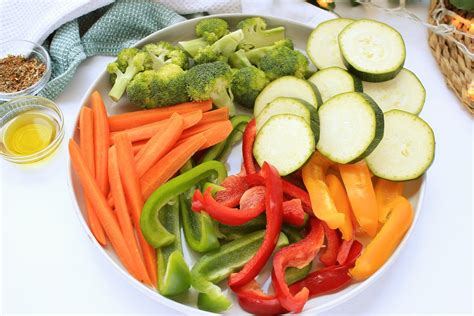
point(29, 133)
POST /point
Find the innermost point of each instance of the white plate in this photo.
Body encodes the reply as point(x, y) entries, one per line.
point(298, 33)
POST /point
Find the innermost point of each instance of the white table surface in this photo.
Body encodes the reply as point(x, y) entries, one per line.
point(50, 266)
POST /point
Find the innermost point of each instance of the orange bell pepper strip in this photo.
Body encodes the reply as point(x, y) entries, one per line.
point(385, 192)
point(323, 205)
point(339, 196)
point(384, 243)
point(356, 178)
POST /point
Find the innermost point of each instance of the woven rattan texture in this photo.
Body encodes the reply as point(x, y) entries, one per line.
point(456, 67)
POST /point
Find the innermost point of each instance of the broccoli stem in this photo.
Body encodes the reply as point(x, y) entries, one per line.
point(158, 61)
point(193, 46)
point(227, 44)
point(223, 99)
point(121, 82)
point(239, 60)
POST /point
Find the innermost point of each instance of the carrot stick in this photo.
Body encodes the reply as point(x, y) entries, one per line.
point(199, 128)
point(167, 166)
point(137, 146)
point(101, 141)
point(104, 212)
point(146, 132)
point(356, 178)
point(339, 196)
point(385, 192)
point(129, 120)
point(159, 145)
point(216, 133)
point(131, 185)
point(86, 134)
point(123, 216)
point(215, 115)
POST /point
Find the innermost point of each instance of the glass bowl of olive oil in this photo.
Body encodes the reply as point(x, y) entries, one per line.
point(31, 129)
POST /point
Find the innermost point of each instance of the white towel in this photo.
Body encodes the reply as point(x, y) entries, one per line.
point(35, 20)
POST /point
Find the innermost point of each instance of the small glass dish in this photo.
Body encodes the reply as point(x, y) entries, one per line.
point(29, 50)
point(13, 118)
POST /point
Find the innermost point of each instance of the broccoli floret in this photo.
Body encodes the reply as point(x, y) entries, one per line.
point(211, 81)
point(247, 84)
point(156, 88)
point(220, 50)
point(256, 33)
point(283, 61)
point(129, 62)
point(239, 59)
point(163, 53)
point(208, 32)
point(208, 55)
point(139, 89)
point(254, 55)
point(170, 86)
point(212, 29)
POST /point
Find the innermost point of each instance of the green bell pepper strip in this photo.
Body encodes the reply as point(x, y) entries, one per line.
point(174, 276)
point(153, 231)
point(239, 123)
point(214, 151)
point(218, 264)
point(234, 232)
point(222, 149)
point(293, 274)
point(198, 228)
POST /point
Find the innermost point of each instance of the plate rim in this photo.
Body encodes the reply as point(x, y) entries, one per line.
point(182, 307)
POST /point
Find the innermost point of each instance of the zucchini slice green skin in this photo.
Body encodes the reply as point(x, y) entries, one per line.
point(407, 149)
point(287, 86)
point(285, 141)
point(332, 81)
point(294, 106)
point(322, 47)
point(351, 127)
point(404, 92)
point(372, 50)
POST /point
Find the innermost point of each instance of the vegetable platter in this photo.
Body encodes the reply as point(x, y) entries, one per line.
point(329, 180)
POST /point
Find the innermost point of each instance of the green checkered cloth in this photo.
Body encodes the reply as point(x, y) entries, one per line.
point(120, 25)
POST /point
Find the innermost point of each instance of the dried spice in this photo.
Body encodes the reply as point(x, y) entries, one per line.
point(18, 72)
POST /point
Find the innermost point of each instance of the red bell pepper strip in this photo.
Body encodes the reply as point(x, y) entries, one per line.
point(344, 250)
point(223, 214)
point(333, 241)
point(235, 186)
point(253, 300)
point(297, 255)
point(293, 212)
point(296, 192)
point(248, 140)
point(292, 191)
point(327, 280)
point(330, 279)
point(274, 212)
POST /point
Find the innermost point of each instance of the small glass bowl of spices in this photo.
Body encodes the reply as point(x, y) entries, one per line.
point(25, 68)
point(31, 128)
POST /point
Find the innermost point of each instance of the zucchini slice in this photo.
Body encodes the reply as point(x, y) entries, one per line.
point(404, 92)
point(285, 141)
point(372, 50)
point(284, 105)
point(322, 46)
point(333, 81)
point(352, 125)
point(406, 150)
point(287, 86)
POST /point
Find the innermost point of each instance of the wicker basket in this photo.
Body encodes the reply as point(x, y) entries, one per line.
point(456, 67)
